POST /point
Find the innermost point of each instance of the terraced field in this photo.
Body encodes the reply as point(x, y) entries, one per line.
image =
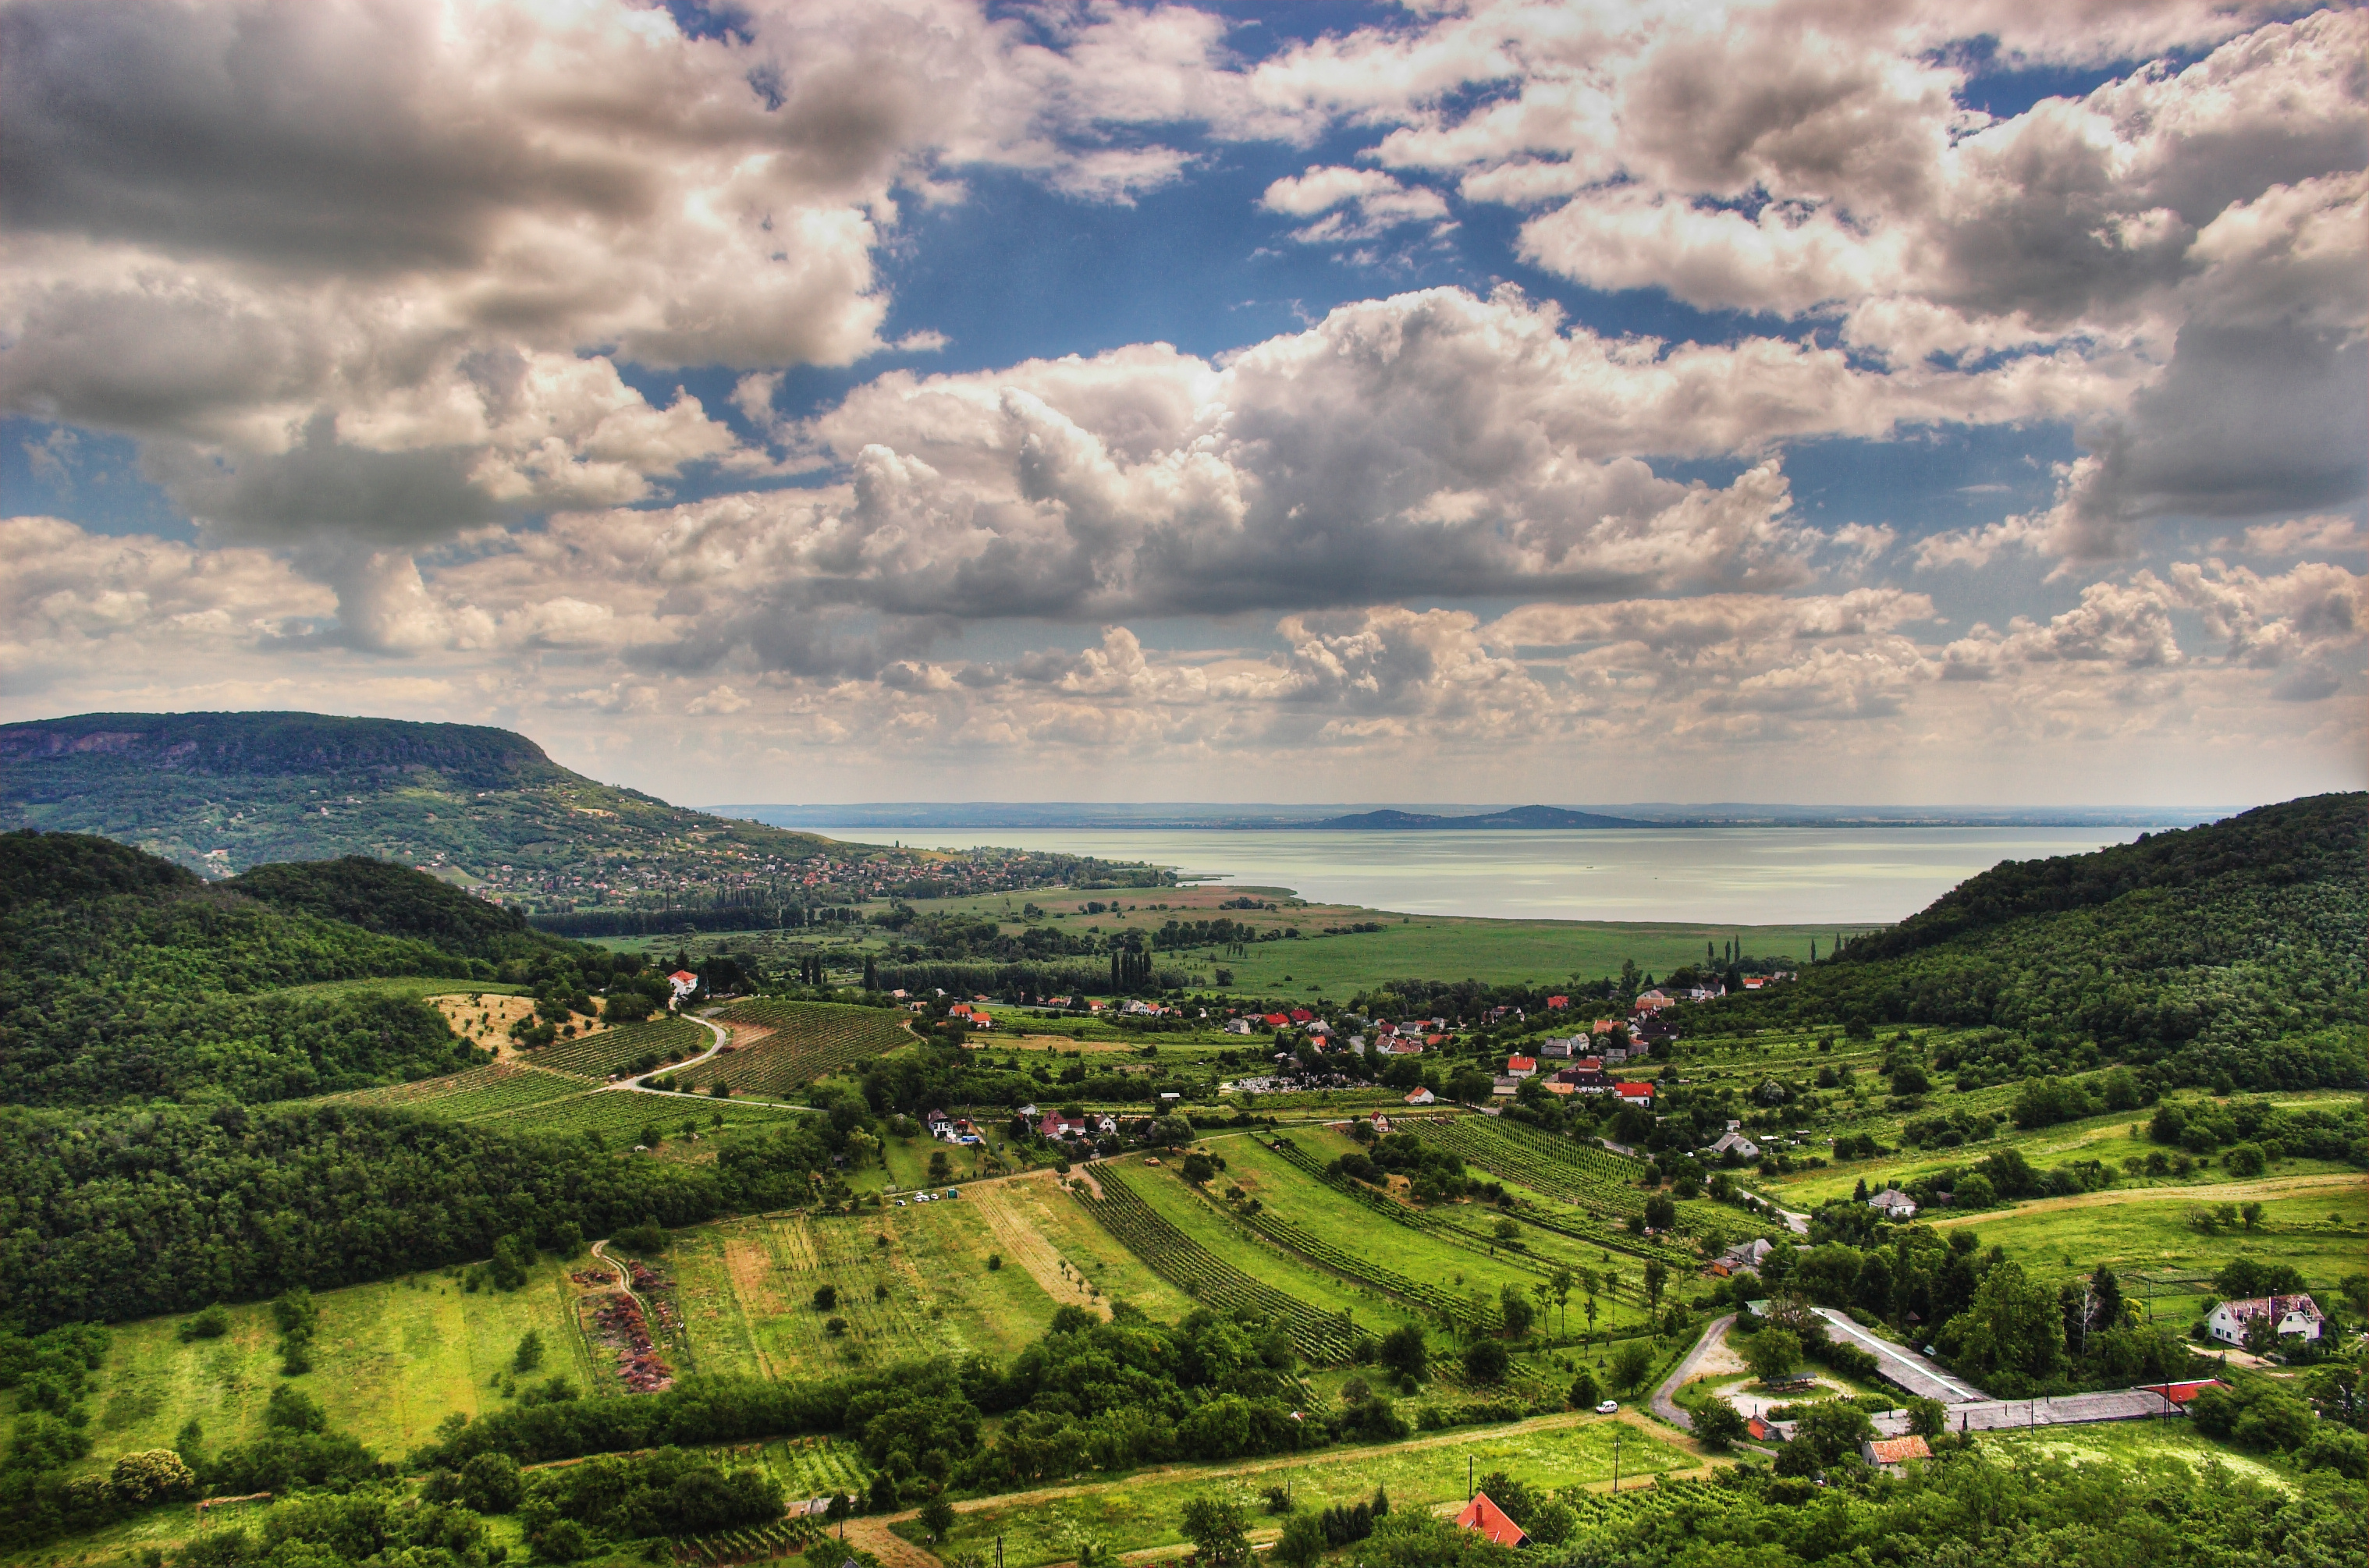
point(801, 1041)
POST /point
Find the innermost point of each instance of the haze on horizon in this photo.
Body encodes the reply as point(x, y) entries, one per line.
point(917, 400)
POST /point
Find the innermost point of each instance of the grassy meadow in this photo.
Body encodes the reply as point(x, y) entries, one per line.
point(389, 1360)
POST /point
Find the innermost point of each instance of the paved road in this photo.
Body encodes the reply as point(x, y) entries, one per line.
point(1664, 1405)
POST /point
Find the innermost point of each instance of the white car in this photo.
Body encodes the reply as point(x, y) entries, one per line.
point(1607, 1407)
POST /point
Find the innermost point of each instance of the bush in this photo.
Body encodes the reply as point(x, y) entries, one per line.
point(152, 1475)
point(211, 1323)
point(1583, 1392)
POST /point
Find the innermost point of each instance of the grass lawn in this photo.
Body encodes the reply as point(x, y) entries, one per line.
point(390, 1361)
point(1141, 1511)
point(408, 985)
point(1043, 1229)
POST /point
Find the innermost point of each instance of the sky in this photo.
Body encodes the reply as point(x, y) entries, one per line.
point(1820, 402)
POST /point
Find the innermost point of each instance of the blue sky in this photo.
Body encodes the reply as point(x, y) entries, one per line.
point(911, 400)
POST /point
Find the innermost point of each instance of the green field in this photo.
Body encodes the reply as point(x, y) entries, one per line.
point(1142, 1511)
point(748, 1286)
point(1435, 946)
point(2322, 1229)
point(778, 1047)
point(2112, 1138)
point(390, 1361)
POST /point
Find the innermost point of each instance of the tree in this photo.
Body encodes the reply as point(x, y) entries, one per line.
point(1199, 1168)
point(937, 1516)
point(1834, 1427)
point(1629, 1364)
point(1583, 1392)
point(529, 1355)
point(1927, 1417)
point(942, 1169)
point(152, 1475)
point(1516, 1309)
point(1718, 1424)
point(1402, 1350)
point(1302, 1541)
point(2012, 1327)
point(1560, 1283)
point(1485, 1360)
point(825, 1297)
point(1219, 1535)
point(1772, 1353)
point(490, 1484)
point(1658, 1277)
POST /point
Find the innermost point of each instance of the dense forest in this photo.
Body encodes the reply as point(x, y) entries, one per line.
point(125, 978)
point(2187, 953)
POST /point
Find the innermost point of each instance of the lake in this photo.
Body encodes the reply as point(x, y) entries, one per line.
point(1722, 876)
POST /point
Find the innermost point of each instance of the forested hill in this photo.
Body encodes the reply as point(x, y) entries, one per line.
point(123, 978)
point(219, 793)
point(2227, 955)
point(2321, 838)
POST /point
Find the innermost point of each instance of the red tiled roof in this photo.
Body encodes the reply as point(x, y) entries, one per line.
point(1645, 1089)
point(1490, 1521)
point(1897, 1450)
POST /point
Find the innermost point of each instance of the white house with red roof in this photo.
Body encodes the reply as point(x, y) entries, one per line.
point(684, 983)
point(1521, 1066)
point(1634, 1094)
point(1420, 1096)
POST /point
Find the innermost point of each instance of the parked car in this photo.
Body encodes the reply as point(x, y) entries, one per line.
point(1607, 1407)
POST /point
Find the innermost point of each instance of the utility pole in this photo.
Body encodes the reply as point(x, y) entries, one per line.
point(1616, 1459)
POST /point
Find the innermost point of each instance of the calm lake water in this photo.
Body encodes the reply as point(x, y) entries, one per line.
point(1723, 875)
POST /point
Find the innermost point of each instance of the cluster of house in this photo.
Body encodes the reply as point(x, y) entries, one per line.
point(2287, 1314)
point(1585, 1075)
point(968, 1013)
point(1057, 1127)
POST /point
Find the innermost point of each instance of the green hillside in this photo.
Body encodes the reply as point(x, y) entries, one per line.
point(482, 807)
point(125, 978)
point(2227, 954)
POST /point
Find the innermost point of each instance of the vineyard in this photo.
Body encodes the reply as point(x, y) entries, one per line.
point(817, 1467)
point(783, 1538)
point(1321, 1337)
point(808, 1040)
point(465, 1096)
point(622, 1114)
point(636, 1047)
point(1602, 1182)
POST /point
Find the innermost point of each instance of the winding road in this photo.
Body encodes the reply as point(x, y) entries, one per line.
point(1664, 1404)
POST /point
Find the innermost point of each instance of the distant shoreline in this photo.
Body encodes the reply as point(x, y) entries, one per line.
point(1644, 819)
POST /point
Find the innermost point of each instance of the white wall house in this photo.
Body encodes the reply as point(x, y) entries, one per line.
point(2293, 1314)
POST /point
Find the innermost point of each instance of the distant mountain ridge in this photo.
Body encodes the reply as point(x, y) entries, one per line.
point(1519, 817)
point(223, 791)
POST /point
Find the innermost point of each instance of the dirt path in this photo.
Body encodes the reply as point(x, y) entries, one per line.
point(714, 1045)
point(1027, 1245)
point(2220, 1192)
point(873, 1534)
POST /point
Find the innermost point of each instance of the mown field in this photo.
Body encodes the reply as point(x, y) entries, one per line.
point(1141, 1512)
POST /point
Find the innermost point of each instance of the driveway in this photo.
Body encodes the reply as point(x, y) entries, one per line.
point(1665, 1404)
